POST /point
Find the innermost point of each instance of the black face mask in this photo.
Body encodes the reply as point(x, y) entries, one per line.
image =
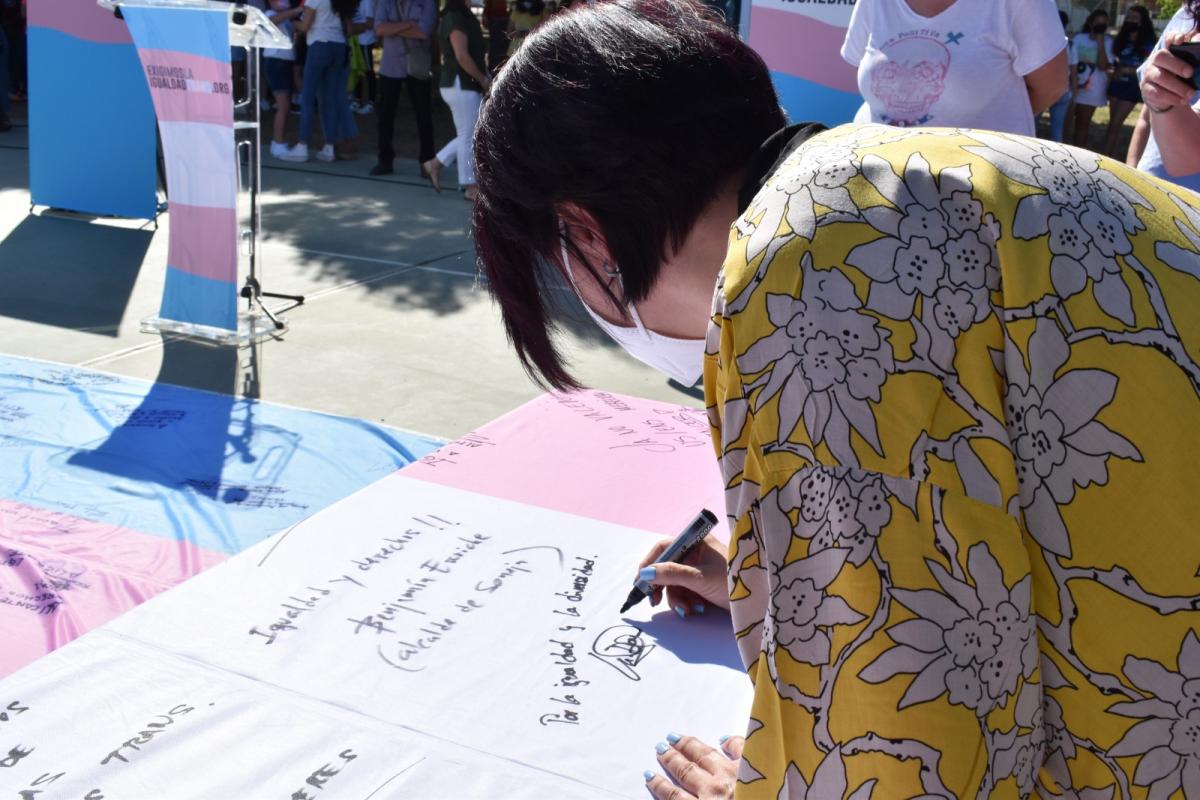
point(1099, 27)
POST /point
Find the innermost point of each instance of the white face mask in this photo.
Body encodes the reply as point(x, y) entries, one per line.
point(680, 359)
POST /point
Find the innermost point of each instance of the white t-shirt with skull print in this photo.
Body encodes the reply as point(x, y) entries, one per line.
point(963, 68)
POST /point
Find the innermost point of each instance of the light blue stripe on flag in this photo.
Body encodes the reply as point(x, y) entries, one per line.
point(101, 84)
point(810, 101)
point(201, 301)
point(198, 31)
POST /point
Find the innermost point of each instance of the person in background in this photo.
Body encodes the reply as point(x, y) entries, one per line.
point(300, 53)
point(1094, 51)
point(526, 15)
point(346, 138)
point(495, 19)
point(12, 20)
point(1131, 47)
point(956, 63)
point(278, 69)
point(463, 83)
point(406, 28)
point(5, 103)
point(324, 24)
point(1058, 111)
point(364, 90)
point(1166, 141)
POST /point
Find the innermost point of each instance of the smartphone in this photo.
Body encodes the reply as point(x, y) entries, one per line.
point(1189, 52)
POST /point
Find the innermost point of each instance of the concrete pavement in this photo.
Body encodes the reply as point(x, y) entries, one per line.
point(396, 328)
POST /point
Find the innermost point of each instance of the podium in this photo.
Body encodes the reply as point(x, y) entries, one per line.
point(212, 151)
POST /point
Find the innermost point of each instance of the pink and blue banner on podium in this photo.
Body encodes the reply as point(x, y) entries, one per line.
point(801, 42)
point(82, 66)
point(185, 58)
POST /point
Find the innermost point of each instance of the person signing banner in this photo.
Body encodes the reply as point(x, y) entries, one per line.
point(954, 384)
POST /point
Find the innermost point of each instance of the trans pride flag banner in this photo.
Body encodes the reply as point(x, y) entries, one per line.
point(800, 40)
point(185, 58)
point(82, 67)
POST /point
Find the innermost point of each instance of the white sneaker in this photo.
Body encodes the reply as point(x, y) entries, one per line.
point(297, 152)
point(278, 149)
point(324, 154)
point(365, 108)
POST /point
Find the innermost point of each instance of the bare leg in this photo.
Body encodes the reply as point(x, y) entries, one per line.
point(1118, 110)
point(1083, 124)
point(283, 106)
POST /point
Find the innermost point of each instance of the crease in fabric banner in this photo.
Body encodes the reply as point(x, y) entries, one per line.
point(185, 59)
point(801, 42)
point(83, 66)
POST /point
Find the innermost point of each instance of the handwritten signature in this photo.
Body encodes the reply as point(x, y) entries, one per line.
point(622, 648)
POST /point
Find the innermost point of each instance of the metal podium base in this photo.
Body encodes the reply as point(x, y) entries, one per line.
point(253, 326)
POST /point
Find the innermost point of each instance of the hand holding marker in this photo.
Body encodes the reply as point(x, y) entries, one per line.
point(676, 551)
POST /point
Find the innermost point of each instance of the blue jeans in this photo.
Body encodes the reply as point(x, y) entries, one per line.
point(324, 83)
point(1058, 116)
point(347, 127)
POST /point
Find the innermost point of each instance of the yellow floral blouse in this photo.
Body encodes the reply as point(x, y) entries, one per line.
point(954, 379)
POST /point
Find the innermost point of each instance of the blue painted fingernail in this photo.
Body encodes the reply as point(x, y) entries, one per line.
point(698, 608)
point(661, 748)
point(679, 610)
point(647, 574)
point(648, 775)
point(724, 739)
point(673, 737)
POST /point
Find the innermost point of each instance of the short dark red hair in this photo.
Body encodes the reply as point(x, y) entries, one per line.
point(636, 111)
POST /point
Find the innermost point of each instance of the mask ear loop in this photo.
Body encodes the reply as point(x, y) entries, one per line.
point(610, 271)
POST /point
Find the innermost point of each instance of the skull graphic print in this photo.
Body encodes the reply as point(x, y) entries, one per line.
point(912, 79)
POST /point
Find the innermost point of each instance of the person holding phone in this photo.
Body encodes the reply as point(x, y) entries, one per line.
point(1166, 141)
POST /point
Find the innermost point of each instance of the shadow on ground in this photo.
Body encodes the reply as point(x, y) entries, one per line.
point(219, 426)
point(70, 275)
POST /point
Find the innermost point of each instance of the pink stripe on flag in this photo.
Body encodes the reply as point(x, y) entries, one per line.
point(795, 44)
point(82, 19)
point(188, 88)
point(61, 576)
point(634, 462)
point(203, 241)
point(108, 546)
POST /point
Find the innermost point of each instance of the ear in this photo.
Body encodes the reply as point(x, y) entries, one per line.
point(585, 240)
point(590, 260)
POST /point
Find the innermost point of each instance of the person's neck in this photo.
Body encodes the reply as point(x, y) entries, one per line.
point(929, 8)
point(681, 300)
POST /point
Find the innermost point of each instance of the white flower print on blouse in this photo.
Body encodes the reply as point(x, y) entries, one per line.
point(824, 361)
point(828, 783)
point(938, 245)
point(1088, 213)
point(1058, 443)
point(1168, 736)
point(801, 612)
point(1176, 257)
point(973, 642)
point(818, 179)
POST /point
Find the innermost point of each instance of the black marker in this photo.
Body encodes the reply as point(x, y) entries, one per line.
point(675, 552)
